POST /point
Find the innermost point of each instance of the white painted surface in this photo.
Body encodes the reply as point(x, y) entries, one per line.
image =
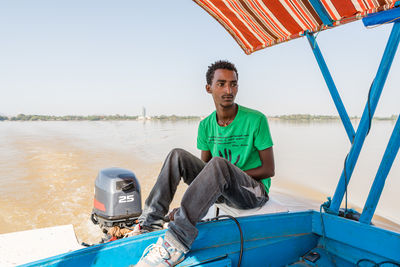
point(272, 206)
point(27, 246)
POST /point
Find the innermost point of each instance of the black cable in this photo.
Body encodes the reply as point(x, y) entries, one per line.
point(391, 262)
point(324, 236)
point(375, 264)
point(345, 160)
point(367, 260)
point(345, 184)
point(322, 226)
point(369, 107)
point(240, 230)
point(86, 244)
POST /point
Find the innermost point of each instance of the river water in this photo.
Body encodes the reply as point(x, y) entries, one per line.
point(47, 169)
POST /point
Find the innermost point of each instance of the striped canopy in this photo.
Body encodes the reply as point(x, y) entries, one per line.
point(256, 24)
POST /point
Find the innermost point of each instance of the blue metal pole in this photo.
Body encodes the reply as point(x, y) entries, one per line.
point(319, 8)
point(383, 171)
point(368, 113)
point(332, 87)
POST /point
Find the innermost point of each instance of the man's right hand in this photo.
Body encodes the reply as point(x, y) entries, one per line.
point(206, 155)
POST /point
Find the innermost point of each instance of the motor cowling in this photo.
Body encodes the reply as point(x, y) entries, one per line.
point(117, 198)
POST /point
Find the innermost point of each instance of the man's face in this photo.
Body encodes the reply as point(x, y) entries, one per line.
point(223, 88)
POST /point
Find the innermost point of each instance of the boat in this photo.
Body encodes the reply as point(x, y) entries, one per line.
point(330, 236)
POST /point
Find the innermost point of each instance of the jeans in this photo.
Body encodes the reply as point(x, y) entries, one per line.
point(208, 182)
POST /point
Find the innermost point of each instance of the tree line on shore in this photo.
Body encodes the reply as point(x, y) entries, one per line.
point(292, 117)
point(309, 117)
point(117, 117)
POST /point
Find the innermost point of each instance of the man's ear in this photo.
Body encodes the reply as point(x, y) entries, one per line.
point(208, 88)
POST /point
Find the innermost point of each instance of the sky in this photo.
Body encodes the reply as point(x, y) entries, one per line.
point(114, 57)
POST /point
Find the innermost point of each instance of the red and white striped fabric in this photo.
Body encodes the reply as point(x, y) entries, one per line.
point(256, 24)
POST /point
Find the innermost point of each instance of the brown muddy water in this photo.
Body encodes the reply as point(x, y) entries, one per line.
point(47, 169)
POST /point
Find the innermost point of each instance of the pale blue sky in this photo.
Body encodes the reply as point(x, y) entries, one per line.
point(109, 57)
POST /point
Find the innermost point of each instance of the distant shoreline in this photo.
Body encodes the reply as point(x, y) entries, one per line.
point(292, 117)
point(308, 117)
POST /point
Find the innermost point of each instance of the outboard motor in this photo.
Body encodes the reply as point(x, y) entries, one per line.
point(117, 199)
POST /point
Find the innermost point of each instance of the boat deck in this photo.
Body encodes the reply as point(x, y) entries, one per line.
point(269, 240)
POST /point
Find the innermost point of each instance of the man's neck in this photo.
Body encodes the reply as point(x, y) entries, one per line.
point(227, 114)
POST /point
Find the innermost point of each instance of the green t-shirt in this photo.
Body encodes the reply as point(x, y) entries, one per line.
point(240, 141)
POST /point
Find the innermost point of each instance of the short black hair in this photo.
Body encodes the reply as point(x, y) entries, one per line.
point(220, 64)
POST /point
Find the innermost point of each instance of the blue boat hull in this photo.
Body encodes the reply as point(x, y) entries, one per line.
point(270, 240)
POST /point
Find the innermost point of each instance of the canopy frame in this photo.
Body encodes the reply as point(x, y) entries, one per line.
point(357, 138)
point(380, 178)
point(331, 86)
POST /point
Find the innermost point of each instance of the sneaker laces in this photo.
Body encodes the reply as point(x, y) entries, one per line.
point(155, 251)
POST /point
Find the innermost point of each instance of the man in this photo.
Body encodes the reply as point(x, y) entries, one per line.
point(236, 164)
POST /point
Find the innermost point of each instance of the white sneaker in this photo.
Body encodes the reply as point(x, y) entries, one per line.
point(161, 254)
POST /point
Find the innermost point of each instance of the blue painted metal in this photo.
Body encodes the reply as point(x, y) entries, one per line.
point(348, 255)
point(362, 131)
point(322, 13)
point(329, 259)
point(391, 15)
point(360, 240)
point(270, 240)
point(218, 263)
point(332, 87)
point(265, 239)
point(383, 171)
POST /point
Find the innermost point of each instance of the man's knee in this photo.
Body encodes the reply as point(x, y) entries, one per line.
point(177, 153)
point(217, 162)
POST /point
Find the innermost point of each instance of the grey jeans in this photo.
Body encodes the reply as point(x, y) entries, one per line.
point(208, 182)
